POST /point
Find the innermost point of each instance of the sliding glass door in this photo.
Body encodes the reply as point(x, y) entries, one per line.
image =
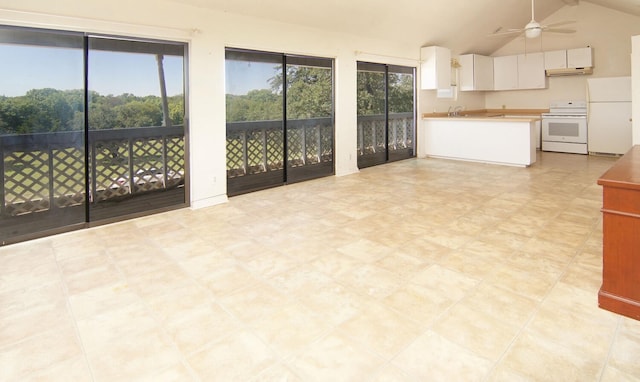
point(73, 155)
point(135, 127)
point(386, 113)
point(42, 132)
point(279, 119)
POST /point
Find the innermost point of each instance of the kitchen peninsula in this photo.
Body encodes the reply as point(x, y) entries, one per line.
point(486, 136)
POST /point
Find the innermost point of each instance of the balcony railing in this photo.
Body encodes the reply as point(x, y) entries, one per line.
point(371, 133)
point(46, 170)
point(257, 147)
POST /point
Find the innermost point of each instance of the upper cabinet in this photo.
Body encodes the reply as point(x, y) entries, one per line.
point(579, 58)
point(568, 59)
point(531, 71)
point(435, 69)
point(523, 71)
point(476, 72)
point(555, 59)
point(505, 73)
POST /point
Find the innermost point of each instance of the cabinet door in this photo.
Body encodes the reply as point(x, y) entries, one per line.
point(531, 71)
point(435, 69)
point(505, 72)
point(466, 72)
point(555, 59)
point(579, 58)
point(483, 72)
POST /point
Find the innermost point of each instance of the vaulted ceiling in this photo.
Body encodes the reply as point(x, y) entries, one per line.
point(461, 25)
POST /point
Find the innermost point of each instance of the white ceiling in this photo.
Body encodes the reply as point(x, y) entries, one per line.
point(461, 25)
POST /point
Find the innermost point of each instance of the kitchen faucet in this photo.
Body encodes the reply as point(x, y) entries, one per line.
point(456, 111)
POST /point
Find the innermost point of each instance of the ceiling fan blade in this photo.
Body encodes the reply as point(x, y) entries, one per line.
point(561, 23)
point(559, 30)
point(510, 32)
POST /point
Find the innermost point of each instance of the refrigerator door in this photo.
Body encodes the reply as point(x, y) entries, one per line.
point(609, 127)
point(609, 89)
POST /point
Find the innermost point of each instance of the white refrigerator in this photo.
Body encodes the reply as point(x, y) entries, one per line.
point(609, 115)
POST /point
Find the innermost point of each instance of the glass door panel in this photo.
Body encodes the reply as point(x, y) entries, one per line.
point(136, 127)
point(386, 113)
point(401, 124)
point(372, 114)
point(255, 125)
point(309, 113)
point(42, 140)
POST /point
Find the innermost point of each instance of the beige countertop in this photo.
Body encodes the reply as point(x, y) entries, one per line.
point(490, 114)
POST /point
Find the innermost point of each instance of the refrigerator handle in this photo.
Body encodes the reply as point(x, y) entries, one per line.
point(588, 103)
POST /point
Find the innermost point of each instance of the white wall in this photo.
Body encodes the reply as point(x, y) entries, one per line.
point(213, 32)
point(607, 31)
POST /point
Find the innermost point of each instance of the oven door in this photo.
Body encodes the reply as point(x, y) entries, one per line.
point(570, 129)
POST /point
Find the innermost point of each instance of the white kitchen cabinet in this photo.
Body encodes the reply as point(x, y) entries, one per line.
point(555, 59)
point(531, 71)
point(476, 72)
point(579, 58)
point(505, 72)
point(435, 68)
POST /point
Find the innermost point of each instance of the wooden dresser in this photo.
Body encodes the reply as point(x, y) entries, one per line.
point(620, 291)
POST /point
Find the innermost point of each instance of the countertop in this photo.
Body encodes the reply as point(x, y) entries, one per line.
point(514, 115)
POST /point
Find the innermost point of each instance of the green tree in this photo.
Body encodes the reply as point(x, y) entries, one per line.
point(309, 91)
point(371, 93)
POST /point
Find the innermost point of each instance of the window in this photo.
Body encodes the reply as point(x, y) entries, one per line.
point(386, 113)
point(279, 119)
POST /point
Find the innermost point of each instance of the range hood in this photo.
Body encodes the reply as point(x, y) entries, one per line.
point(568, 72)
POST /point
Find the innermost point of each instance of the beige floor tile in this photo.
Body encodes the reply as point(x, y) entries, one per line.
point(302, 280)
point(131, 356)
point(97, 300)
point(277, 372)
point(177, 373)
point(422, 304)
point(391, 373)
point(433, 358)
point(33, 321)
point(371, 280)
point(95, 276)
point(74, 369)
point(453, 285)
point(254, 302)
point(336, 358)
point(365, 250)
point(39, 354)
point(626, 347)
point(614, 375)
point(195, 328)
point(291, 329)
point(501, 303)
point(19, 301)
point(383, 330)
point(477, 331)
point(237, 357)
point(531, 284)
point(540, 359)
point(335, 302)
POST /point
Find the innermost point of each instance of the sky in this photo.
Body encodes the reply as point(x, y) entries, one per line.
point(243, 76)
point(25, 68)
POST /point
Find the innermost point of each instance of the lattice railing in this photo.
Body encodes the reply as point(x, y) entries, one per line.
point(371, 133)
point(47, 170)
point(257, 147)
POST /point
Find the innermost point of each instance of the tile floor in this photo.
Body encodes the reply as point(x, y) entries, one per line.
point(421, 270)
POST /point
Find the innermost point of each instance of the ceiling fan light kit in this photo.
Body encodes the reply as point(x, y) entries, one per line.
point(534, 29)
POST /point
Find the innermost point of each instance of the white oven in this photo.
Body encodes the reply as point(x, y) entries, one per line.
point(564, 128)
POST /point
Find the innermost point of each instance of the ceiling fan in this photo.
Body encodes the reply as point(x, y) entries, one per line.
point(533, 29)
